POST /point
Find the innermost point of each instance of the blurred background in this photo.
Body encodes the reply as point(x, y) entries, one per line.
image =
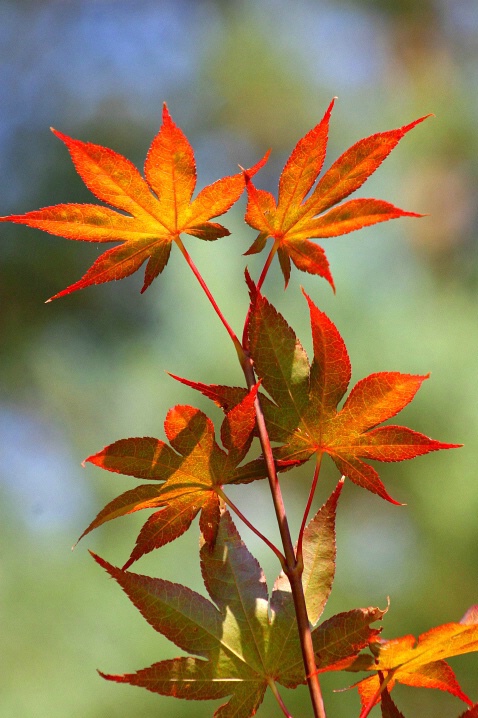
point(239, 77)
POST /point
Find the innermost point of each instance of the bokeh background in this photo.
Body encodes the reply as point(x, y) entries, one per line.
point(239, 77)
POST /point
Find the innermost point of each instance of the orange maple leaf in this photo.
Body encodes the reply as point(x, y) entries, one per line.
point(420, 662)
point(293, 219)
point(159, 208)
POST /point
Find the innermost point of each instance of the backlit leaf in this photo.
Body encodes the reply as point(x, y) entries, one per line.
point(296, 218)
point(192, 469)
point(303, 415)
point(240, 643)
point(159, 208)
point(319, 552)
point(421, 662)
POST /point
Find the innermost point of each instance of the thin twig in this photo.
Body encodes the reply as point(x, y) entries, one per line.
point(265, 269)
point(267, 264)
point(278, 697)
point(197, 274)
point(239, 513)
point(307, 508)
point(292, 568)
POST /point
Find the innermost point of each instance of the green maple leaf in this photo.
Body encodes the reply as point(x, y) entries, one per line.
point(241, 643)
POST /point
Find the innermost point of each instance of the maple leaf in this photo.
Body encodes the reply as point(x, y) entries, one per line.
point(294, 219)
point(420, 662)
point(389, 709)
point(241, 643)
point(471, 712)
point(159, 208)
point(192, 470)
point(303, 413)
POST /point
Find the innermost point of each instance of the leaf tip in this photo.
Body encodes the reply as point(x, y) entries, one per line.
point(250, 284)
point(63, 293)
point(106, 676)
point(394, 502)
point(411, 125)
point(331, 106)
point(101, 561)
point(166, 115)
point(64, 138)
point(248, 173)
point(128, 563)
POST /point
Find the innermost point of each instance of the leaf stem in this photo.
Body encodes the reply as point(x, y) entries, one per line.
point(265, 269)
point(278, 697)
point(239, 513)
point(266, 266)
point(197, 274)
point(309, 504)
point(383, 684)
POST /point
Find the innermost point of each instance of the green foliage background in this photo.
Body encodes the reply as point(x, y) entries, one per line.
point(238, 77)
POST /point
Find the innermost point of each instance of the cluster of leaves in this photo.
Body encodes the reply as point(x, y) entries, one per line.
point(243, 641)
point(248, 641)
point(303, 413)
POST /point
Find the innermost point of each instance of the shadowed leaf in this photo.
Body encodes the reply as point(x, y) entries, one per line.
point(389, 709)
point(240, 643)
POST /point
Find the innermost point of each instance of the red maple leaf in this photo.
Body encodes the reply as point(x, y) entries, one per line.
point(303, 413)
point(301, 409)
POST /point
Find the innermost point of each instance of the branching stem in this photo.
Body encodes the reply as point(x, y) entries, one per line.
point(291, 566)
point(239, 513)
